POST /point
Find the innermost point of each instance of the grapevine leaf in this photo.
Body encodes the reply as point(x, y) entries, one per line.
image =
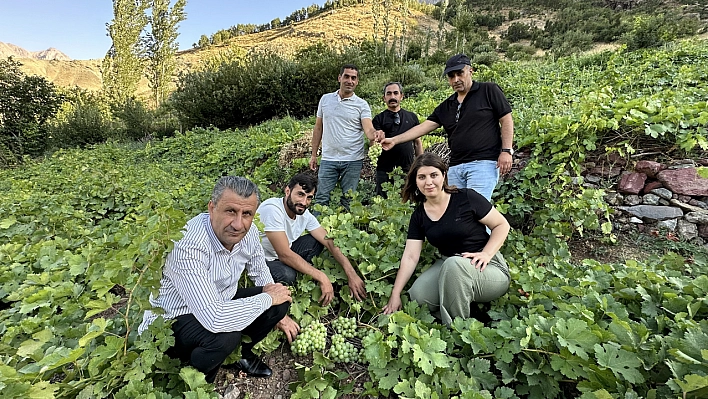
point(387, 377)
point(574, 335)
point(693, 382)
point(6, 223)
point(621, 362)
point(192, 377)
point(427, 352)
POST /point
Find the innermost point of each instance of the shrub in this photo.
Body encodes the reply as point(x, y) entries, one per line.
point(266, 86)
point(26, 103)
point(84, 124)
point(517, 31)
point(656, 30)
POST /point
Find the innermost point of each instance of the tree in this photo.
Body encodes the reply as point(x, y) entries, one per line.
point(123, 66)
point(26, 103)
point(203, 41)
point(161, 46)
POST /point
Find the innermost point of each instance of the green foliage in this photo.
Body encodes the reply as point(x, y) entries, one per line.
point(84, 235)
point(26, 103)
point(656, 30)
point(263, 87)
point(161, 46)
point(122, 66)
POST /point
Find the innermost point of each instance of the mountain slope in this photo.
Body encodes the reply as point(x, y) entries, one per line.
point(11, 50)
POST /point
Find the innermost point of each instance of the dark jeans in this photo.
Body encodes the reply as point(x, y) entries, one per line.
point(206, 351)
point(307, 247)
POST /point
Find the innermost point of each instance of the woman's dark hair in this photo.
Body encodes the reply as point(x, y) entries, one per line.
point(410, 189)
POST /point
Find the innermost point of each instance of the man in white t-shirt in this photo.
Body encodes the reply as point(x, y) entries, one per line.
point(287, 251)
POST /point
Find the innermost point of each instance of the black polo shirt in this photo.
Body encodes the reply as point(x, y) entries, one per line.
point(401, 154)
point(477, 134)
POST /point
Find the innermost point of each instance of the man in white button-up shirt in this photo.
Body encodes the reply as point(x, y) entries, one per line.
point(199, 287)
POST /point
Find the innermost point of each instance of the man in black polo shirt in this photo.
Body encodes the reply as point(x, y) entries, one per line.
point(392, 122)
point(477, 119)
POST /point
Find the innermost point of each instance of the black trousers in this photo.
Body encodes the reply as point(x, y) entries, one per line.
point(307, 247)
point(206, 351)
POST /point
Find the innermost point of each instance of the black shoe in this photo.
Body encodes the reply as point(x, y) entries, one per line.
point(254, 367)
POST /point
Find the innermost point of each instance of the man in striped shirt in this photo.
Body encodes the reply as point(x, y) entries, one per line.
point(199, 287)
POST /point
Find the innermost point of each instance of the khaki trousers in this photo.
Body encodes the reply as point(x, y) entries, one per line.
point(452, 284)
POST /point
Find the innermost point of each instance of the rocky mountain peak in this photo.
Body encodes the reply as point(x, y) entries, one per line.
point(11, 50)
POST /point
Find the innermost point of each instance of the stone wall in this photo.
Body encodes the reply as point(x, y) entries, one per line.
point(656, 198)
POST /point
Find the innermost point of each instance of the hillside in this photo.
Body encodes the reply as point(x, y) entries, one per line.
point(340, 27)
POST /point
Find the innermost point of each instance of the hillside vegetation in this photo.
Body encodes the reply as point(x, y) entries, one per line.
point(85, 234)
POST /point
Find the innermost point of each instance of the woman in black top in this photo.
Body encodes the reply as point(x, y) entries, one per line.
point(455, 221)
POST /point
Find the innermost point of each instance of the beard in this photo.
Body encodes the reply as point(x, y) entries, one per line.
point(296, 210)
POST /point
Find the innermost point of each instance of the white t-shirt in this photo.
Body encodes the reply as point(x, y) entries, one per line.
point(274, 218)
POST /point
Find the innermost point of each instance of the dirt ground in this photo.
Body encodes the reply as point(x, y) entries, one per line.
point(234, 385)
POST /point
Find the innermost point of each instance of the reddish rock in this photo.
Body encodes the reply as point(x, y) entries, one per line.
point(605, 171)
point(631, 183)
point(650, 168)
point(684, 181)
point(652, 185)
point(703, 230)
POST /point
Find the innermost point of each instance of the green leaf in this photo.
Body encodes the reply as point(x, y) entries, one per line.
point(7, 222)
point(192, 377)
point(575, 335)
point(623, 364)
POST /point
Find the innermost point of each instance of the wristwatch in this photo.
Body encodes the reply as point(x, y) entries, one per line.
point(509, 150)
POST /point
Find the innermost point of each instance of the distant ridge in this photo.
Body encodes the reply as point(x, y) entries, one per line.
point(10, 50)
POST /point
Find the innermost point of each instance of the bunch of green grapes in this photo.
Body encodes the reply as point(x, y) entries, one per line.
point(343, 351)
point(375, 151)
point(344, 326)
point(311, 338)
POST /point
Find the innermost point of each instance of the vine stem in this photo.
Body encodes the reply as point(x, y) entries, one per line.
point(130, 297)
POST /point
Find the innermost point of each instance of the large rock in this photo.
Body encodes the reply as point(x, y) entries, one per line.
point(663, 193)
point(632, 183)
point(684, 181)
point(686, 230)
point(652, 185)
point(649, 168)
point(669, 224)
point(653, 213)
point(697, 217)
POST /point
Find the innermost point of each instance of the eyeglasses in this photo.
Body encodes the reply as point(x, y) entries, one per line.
point(397, 119)
point(457, 115)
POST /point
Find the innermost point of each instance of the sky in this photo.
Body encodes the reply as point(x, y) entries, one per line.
point(78, 27)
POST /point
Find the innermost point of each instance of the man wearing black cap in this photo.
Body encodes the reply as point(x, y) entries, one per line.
point(477, 119)
point(392, 122)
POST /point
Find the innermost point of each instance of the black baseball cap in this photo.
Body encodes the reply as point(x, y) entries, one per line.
point(456, 62)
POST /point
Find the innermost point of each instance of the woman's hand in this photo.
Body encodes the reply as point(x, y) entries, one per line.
point(479, 260)
point(393, 305)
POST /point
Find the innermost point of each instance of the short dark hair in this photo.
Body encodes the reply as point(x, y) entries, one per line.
point(410, 189)
point(307, 181)
point(349, 66)
point(400, 86)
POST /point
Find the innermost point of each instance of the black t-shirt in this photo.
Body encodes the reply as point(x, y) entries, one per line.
point(459, 229)
point(401, 154)
point(477, 135)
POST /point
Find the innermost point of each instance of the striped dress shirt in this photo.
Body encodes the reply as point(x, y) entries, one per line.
point(201, 277)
